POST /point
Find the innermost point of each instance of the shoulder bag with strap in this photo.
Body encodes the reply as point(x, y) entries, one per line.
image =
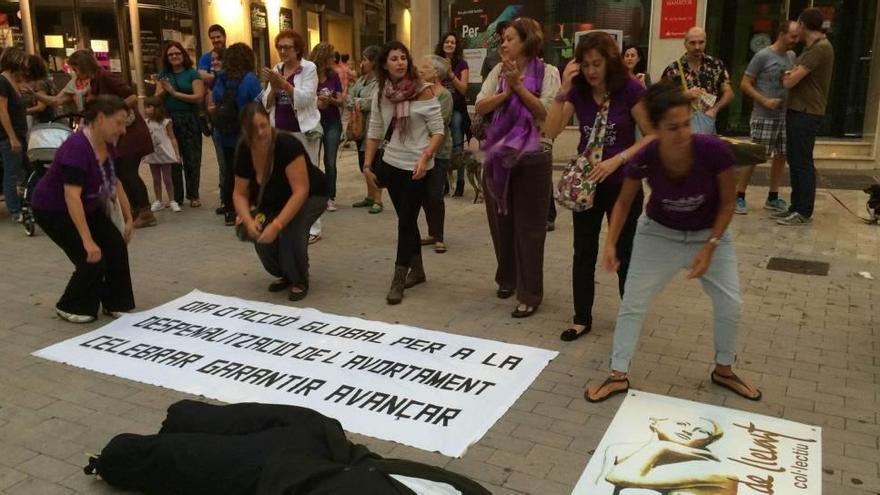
point(262, 218)
point(378, 163)
point(574, 191)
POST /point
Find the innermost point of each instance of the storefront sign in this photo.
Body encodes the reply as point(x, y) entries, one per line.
point(432, 390)
point(659, 444)
point(676, 17)
point(259, 17)
point(285, 18)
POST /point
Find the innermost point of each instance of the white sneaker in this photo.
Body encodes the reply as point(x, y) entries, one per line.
point(72, 318)
point(331, 205)
point(174, 206)
point(157, 206)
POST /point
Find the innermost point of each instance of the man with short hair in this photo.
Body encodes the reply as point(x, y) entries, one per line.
point(762, 82)
point(808, 84)
point(217, 35)
point(703, 78)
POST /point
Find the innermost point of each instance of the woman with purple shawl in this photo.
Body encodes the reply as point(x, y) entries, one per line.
point(517, 168)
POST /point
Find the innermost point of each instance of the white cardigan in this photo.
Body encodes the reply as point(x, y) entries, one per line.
point(305, 97)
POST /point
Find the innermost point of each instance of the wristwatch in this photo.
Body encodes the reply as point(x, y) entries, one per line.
point(623, 157)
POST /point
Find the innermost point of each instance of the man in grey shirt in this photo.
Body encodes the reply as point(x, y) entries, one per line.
point(762, 82)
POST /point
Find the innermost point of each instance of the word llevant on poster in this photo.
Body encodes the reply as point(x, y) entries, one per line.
point(432, 390)
point(663, 445)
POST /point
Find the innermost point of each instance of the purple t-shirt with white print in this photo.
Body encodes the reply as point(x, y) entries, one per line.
point(686, 204)
point(620, 133)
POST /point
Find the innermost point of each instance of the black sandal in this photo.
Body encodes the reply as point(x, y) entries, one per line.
point(524, 313)
point(504, 293)
point(572, 334)
point(279, 285)
point(297, 296)
point(607, 381)
point(732, 377)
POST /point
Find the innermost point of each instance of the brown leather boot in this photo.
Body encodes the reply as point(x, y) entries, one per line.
point(395, 293)
point(144, 219)
point(416, 273)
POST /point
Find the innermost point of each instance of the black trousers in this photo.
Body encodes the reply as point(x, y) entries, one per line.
point(228, 178)
point(107, 282)
point(135, 189)
point(408, 196)
point(188, 131)
point(434, 206)
point(587, 227)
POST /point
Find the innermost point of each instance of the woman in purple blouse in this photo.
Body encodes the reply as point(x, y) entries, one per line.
point(69, 205)
point(330, 100)
point(685, 228)
point(456, 82)
point(594, 78)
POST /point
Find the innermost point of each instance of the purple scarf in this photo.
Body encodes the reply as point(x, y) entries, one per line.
point(513, 132)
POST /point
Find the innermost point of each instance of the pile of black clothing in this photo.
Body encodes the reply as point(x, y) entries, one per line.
point(264, 449)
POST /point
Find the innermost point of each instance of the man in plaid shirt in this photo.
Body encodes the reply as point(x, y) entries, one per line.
point(703, 78)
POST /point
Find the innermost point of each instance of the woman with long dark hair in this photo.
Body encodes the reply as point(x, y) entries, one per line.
point(406, 110)
point(183, 90)
point(607, 103)
point(455, 80)
point(636, 65)
point(294, 195)
point(517, 168)
point(330, 100)
point(360, 99)
point(70, 206)
point(693, 196)
point(234, 88)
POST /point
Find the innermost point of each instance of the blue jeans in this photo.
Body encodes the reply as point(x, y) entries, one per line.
point(659, 253)
point(456, 125)
point(218, 150)
point(800, 139)
point(330, 141)
point(12, 164)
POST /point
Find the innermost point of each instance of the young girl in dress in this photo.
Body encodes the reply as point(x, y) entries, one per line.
point(165, 156)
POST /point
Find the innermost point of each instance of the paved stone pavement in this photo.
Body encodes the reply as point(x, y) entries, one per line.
point(811, 343)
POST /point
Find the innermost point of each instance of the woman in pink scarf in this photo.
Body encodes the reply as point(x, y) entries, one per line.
point(517, 170)
point(406, 115)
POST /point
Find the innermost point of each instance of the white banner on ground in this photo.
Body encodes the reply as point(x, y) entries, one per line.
point(432, 390)
point(658, 444)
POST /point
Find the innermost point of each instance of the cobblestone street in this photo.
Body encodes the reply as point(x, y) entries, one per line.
point(811, 343)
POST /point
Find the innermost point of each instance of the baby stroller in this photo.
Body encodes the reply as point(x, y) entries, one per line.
point(43, 141)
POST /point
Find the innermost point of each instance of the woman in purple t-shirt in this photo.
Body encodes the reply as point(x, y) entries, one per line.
point(596, 77)
point(330, 100)
point(69, 206)
point(692, 201)
point(456, 82)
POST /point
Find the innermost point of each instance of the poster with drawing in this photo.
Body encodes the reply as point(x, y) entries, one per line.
point(658, 445)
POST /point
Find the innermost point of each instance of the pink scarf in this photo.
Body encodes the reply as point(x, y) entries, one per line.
point(401, 94)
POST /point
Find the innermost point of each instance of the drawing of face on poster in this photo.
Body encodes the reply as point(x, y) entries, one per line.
point(475, 22)
point(659, 445)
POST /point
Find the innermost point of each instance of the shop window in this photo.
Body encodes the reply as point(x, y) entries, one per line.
point(313, 25)
point(10, 26)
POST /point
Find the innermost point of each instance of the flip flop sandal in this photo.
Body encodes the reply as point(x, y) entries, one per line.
point(504, 293)
point(376, 208)
point(439, 247)
point(608, 381)
point(313, 238)
point(297, 296)
point(733, 389)
point(572, 334)
point(195, 203)
point(524, 313)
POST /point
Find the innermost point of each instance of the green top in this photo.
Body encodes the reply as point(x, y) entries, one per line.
point(445, 99)
point(811, 94)
point(361, 94)
point(182, 82)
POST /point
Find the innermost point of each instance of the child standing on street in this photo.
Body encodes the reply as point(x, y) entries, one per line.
point(165, 156)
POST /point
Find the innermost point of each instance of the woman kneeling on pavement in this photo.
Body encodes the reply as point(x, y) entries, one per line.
point(279, 193)
point(685, 227)
point(406, 111)
point(70, 205)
